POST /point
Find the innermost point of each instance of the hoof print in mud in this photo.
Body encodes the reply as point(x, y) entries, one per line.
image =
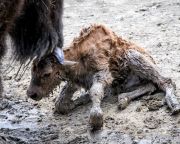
point(123, 103)
point(96, 119)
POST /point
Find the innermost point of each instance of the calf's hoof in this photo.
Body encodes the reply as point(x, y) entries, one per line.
point(64, 107)
point(96, 119)
point(123, 103)
point(176, 110)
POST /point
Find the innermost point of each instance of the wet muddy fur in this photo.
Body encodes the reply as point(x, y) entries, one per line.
point(102, 60)
point(34, 26)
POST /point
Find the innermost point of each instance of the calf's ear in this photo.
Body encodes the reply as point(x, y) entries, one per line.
point(69, 63)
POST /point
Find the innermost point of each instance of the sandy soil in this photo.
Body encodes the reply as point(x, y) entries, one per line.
point(153, 24)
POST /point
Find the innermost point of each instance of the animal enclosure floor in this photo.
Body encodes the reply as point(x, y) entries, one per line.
point(153, 24)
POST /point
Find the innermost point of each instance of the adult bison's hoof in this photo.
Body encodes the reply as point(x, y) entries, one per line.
point(123, 103)
point(96, 119)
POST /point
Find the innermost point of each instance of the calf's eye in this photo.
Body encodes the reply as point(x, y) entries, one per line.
point(46, 75)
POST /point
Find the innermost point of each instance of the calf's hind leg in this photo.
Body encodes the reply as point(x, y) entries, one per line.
point(125, 98)
point(144, 68)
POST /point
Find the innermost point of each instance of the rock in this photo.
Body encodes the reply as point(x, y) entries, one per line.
point(3, 104)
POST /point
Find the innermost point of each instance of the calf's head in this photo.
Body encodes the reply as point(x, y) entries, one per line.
point(46, 75)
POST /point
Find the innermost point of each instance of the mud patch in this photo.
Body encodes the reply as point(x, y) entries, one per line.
point(175, 131)
point(159, 139)
point(110, 137)
point(21, 136)
point(79, 140)
point(152, 122)
point(154, 102)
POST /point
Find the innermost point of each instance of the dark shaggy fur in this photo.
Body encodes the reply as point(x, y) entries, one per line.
point(38, 29)
point(35, 27)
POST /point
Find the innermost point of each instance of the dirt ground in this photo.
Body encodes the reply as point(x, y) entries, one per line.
point(153, 24)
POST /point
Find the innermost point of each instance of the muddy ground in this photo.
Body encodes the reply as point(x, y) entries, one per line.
point(153, 24)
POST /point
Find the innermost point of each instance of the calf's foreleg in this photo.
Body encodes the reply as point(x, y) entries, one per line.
point(96, 114)
point(96, 92)
point(64, 102)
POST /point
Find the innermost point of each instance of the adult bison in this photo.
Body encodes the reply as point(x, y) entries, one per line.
point(102, 60)
point(35, 27)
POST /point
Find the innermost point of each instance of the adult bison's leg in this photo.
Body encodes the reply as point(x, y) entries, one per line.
point(147, 70)
point(56, 16)
point(101, 79)
point(9, 10)
point(125, 98)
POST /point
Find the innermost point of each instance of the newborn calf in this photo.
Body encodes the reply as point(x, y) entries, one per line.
point(96, 60)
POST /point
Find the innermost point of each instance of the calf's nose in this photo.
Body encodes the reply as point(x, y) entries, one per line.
point(32, 95)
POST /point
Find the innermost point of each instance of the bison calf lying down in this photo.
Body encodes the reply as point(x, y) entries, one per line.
point(98, 59)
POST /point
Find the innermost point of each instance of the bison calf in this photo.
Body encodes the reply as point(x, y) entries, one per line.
point(96, 60)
